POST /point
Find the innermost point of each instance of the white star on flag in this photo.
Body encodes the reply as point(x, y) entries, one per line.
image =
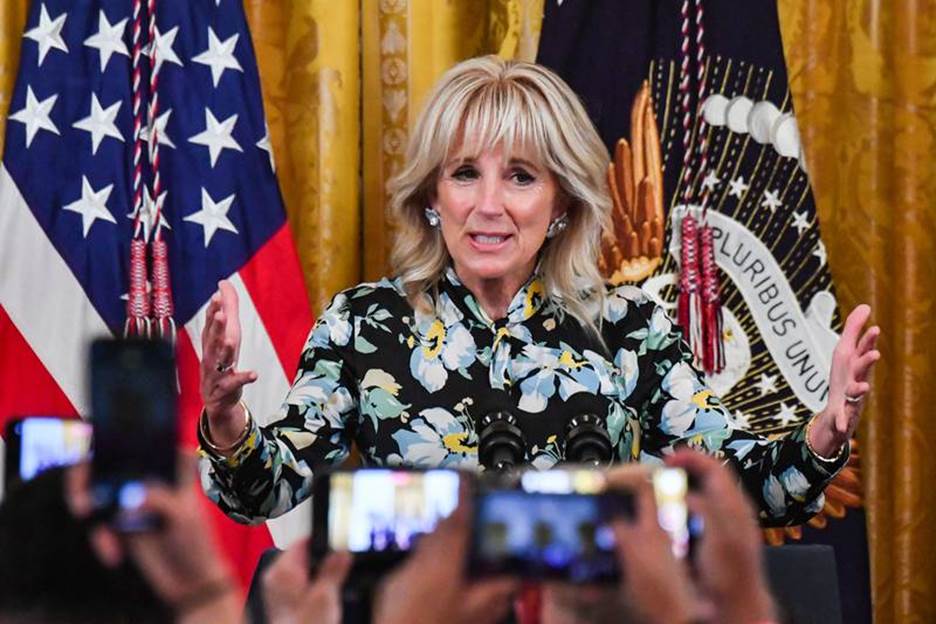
point(820, 252)
point(148, 214)
point(800, 222)
point(786, 415)
point(109, 39)
point(35, 115)
point(219, 55)
point(48, 34)
point(771, 201)
point(266, 146)
point(92, 205)
point(217, 136)
point(767, 384)
point(740, 420)
point(213, 216)
point(100, 123)
point(160, 128)
point(711, 181)
point(738, 187)
point(164, 52)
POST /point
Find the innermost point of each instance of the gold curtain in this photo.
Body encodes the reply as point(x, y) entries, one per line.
point(308, 54)
point(863, 77)
point(12, 20)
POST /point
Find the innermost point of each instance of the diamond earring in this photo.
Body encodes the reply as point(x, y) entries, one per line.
point(433, 217)
point(557, 225)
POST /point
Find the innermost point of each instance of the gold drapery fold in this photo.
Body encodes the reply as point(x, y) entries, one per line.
point(863, 76)
point(12, 20)
point(309, 59)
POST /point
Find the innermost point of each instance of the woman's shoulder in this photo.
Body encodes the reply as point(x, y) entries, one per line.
point(360, 298)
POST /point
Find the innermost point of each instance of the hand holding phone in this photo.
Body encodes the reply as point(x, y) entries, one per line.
point(556, 524)
point(378, 514)
point(656, 583)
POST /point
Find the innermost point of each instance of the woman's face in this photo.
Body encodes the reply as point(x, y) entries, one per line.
point(495, 215)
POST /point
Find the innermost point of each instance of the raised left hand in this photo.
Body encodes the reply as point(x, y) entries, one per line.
point(852, 362)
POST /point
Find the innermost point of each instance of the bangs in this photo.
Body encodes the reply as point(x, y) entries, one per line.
point(500, 115)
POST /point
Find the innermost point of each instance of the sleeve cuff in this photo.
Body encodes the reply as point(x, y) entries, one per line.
point(827, 468)
point(240, 455)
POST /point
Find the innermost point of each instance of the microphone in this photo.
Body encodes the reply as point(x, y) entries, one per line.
point(501, 445)
point(588, 441)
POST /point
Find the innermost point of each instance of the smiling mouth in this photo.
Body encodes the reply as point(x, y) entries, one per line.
point(489, 239)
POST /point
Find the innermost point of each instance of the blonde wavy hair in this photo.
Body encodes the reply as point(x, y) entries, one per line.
point(527, 110)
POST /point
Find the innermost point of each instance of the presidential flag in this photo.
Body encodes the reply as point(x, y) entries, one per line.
point(692, 99)
point(142, 113)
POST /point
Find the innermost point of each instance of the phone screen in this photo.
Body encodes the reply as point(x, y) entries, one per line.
point(547, 535)
point(133, 409)
point(37, 443)
point(384, 511)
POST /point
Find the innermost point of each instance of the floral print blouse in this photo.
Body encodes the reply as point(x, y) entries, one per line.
point(409, 386)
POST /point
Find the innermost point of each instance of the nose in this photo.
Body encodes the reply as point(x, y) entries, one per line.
point(491, 198)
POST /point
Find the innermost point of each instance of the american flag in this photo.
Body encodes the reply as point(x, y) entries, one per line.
point(67, 204)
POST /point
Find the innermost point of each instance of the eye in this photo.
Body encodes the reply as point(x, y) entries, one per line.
point(522, 177)
point(465, 173)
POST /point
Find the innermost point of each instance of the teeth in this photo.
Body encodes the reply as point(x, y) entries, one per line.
point(490, 240)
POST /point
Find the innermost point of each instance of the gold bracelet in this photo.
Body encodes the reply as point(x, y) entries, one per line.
point(816, 454)
point(221, 450)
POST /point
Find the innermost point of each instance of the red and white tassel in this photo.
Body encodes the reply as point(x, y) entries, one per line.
point(162, 292)
point(138, 299)
point(699, 305)
point(689, 305)
point(713, 352)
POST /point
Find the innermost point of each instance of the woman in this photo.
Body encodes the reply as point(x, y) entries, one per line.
point(498, 303)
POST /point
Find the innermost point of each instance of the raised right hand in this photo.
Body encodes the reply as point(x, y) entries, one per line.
point(221, 383)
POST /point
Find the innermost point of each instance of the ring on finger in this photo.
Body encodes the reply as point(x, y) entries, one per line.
point(221, 367)
point(854, 399)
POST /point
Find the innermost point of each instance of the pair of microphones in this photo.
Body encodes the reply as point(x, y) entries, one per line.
point(502, 445)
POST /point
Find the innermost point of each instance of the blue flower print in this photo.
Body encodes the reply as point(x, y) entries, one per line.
point(693, 408)
point(379, 391)
point(333, 326)
point(436, 437)
point(545, 369)
point(440, 344)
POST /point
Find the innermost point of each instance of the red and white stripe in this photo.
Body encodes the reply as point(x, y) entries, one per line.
point(43, 354)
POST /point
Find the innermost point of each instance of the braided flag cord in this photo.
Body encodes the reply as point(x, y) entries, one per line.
point(699, 306)
point(162, 290)
point(138, 301)
point(149, 304)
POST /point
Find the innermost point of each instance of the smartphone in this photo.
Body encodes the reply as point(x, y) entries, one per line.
point(37, 443)
point(556, 525)
point(670, 488)
point(379, 513)
point(134, 414)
